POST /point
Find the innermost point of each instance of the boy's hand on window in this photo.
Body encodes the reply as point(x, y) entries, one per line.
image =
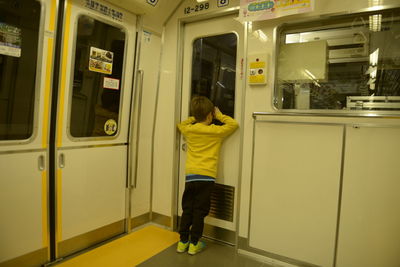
point(217, 112)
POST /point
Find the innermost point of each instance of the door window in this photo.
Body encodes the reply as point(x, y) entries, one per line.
point(97, 82)
point(214, 70)
point(19, 31)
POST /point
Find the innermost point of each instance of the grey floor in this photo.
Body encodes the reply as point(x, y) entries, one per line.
point(215, 254)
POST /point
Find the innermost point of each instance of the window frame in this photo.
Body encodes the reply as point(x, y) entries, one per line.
point(39, 83)
point(236, 63)
point(112, 23)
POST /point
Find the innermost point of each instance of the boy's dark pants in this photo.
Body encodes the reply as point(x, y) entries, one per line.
point(195, 205)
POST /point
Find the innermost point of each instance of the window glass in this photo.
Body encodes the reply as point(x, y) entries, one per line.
point(214, 70)
point(19, 30)
point(97, 82)
point(350, 63)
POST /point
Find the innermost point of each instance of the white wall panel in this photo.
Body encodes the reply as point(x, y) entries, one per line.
point(166, 125)
point(295, 190)
point(149, 60)
point(370, 217)
point(93, 189)
point(20, 205)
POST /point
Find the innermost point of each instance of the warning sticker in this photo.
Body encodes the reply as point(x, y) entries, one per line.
point(110, 127)
point(10, 40)
point(111, 83)
point(100, 60)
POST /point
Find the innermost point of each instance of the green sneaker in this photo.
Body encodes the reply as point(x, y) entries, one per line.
point(182, 247)
point(194, 249)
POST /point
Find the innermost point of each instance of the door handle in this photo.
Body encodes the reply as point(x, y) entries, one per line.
point(41, 164)
point(61, 160)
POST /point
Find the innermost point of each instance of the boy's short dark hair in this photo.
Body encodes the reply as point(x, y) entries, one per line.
point(200, 107)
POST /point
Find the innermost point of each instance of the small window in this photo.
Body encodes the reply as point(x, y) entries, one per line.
point(347, 63)
point(96, 96)
point(214, 70)
point(19, 31)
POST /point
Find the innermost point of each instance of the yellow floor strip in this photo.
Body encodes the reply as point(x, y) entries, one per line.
point(127, 251)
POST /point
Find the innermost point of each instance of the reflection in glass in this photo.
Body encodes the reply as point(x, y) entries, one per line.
point(352, 62)
point(214, 70)
point(19, 29)
point(97, 79)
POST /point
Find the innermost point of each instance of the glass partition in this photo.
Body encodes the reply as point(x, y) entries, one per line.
point(345, 63)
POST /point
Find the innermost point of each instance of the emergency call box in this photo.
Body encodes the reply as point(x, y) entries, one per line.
point(257, 69)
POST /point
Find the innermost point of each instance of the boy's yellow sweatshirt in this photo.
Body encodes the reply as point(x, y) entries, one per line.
point(204, 142)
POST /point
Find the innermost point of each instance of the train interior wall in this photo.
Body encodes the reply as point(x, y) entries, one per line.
point(312, 191)
point(276, 218)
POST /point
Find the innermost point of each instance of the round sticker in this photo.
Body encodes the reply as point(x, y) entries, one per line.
point(110, 127)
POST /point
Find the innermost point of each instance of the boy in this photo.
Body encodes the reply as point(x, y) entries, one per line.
point(203, 142)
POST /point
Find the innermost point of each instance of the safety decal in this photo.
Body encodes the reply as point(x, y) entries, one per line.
point(110, 127)
point(111, 83)
point(147, 36)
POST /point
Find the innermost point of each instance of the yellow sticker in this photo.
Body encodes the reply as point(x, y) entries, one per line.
point(110, 127)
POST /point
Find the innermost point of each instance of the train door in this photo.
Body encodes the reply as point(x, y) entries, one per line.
point(26, 42)
point(91, 131)
point(49, 212)
point(212, 61)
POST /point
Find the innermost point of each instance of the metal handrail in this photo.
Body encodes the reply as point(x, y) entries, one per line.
point(333, 114)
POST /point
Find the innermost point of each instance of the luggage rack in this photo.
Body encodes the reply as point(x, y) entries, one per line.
point(373, 102)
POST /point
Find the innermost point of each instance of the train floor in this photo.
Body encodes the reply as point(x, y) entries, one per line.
point(153, 246)
point(215, 255)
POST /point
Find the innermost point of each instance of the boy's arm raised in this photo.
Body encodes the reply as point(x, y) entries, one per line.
point(186, 122)
point(230, 124)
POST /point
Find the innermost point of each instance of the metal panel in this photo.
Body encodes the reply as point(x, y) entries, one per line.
point(93, 189)
point(21, 200)
point(369, 231)
point(292, 217)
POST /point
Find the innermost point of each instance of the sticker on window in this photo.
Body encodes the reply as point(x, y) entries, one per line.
point(10, 40)
point(110, 127)
point(111, 83)
point(100, 60)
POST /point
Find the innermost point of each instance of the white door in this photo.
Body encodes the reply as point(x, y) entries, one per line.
point(94, 101)
point(25, 70)
point(212, 67)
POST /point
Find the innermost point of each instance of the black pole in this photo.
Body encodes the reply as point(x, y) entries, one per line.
point(53, 128)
